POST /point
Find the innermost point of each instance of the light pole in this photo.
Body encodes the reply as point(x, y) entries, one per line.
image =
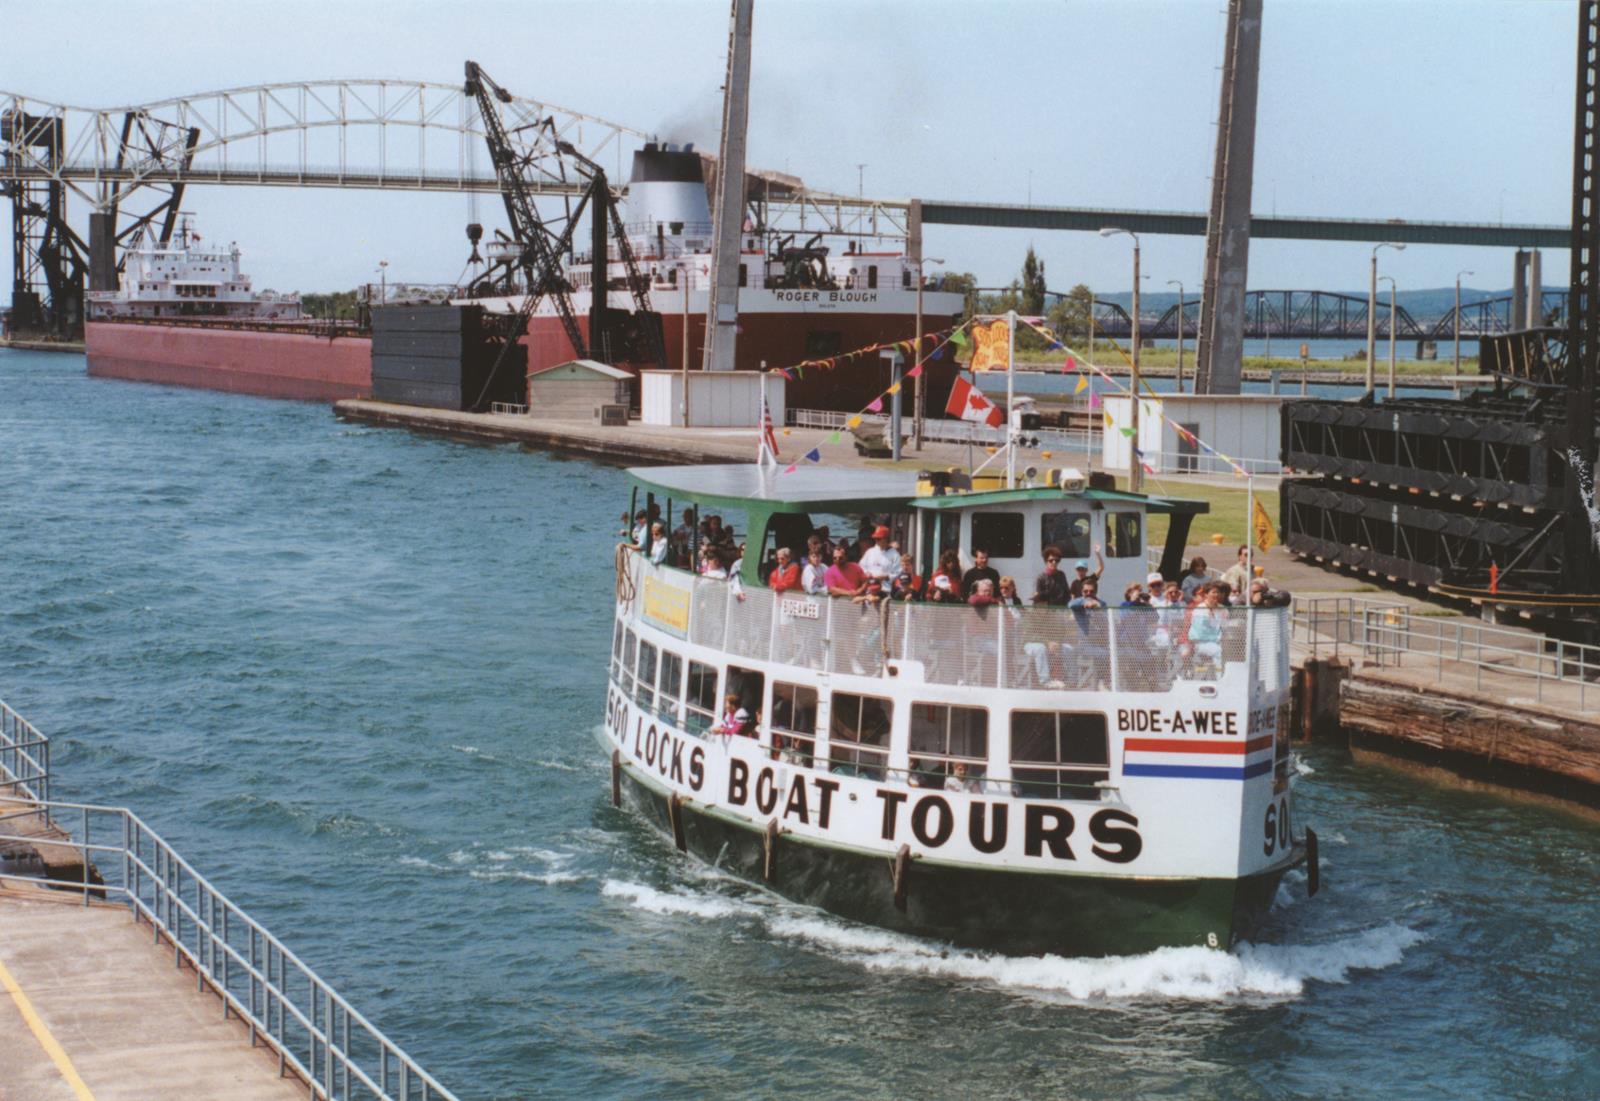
point(383, 281)
point(1135, 471)
point(861, 193)
point(1372, 313)
point(1459, 274)
point(683, 364)
point(1392, 315)
point(919, 408)
point(1179, 284)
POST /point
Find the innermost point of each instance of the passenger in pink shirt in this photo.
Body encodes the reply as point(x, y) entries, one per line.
point(844, 577)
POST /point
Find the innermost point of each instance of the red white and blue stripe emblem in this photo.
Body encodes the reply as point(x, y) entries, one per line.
point(1194, 759)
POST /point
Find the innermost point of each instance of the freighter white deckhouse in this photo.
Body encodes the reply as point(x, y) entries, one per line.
point(1027, 778)
point(184, 279)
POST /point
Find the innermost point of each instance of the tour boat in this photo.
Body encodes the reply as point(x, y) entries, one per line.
point(1029, 779)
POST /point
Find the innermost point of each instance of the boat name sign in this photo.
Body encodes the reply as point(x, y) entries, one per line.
point(733, 775)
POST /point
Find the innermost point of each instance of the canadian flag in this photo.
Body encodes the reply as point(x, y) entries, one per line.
point(968, 403)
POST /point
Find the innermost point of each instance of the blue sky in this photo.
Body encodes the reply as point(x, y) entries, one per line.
point(1448, 110)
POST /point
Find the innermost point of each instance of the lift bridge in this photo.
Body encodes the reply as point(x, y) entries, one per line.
point(129, 167)
point(1318, 315)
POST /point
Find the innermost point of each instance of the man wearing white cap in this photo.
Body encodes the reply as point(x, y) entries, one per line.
point(878, 561)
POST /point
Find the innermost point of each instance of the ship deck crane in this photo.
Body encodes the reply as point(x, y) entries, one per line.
point(539, 248)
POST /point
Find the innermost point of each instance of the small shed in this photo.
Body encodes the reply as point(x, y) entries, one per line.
point(1244, 427)
point(578, 390)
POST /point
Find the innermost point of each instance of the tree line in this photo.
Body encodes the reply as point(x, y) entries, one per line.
point(1067, 316)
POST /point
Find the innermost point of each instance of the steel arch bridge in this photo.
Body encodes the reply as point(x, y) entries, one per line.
point(1320, 315)
point(358, 133)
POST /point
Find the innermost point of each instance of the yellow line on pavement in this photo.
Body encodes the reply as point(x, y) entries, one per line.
point(41, 1033)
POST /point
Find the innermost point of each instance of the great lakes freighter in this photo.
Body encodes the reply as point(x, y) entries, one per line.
point(1025, 778)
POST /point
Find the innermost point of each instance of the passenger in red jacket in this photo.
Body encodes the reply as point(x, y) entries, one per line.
point(785, 577)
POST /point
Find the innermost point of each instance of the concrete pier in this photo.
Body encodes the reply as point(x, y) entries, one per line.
point(92, 1008)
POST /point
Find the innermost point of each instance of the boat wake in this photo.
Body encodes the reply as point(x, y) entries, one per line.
point(1250, 972)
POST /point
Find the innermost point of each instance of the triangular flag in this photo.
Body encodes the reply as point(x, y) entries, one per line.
point(1083, 384)
point(814, 455)
point(1070, 365)
point(958, 338)
point(834, 437)
point(791, 468)
point(914, 372)
point(876, 404)
point(1109, 422)
point(1128, 432)
point(1094, 399)
point(853, 422)
point(895, 389)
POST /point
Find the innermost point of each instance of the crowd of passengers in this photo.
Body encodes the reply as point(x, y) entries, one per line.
point(872, 568)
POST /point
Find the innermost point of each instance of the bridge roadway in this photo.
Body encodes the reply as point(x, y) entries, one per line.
point(92, 1009)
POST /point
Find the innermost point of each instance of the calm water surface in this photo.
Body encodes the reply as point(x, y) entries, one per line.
point(354, 675)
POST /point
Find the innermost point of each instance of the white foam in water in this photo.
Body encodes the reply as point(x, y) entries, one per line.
point(549, 879)
point(558, 766)
point(1197, 974)
point(695, 904)
point(1301, 767)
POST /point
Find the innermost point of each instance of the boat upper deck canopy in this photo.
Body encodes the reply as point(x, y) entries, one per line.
point(982, 499)
point(808, 489)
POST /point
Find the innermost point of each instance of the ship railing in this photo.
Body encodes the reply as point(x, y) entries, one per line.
point(1450, 648)
point(315, 1032)
point(1108, 650)
point(24, 757)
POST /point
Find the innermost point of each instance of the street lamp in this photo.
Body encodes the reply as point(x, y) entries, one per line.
point(1135, 471)
point(1372, 311)
point(920, 409)
point(383, 281)
point(1459, 274)
point(1392, 326)
point(1179, 284)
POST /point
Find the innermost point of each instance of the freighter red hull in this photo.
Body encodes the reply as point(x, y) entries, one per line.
point(782, 340)
point(302, 365)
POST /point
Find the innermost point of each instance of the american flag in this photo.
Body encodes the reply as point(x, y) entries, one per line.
point(769, 438)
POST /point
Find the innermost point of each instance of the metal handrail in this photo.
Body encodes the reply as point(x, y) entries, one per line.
point(315, 1031)
point(24, 756)
point(1386, 633)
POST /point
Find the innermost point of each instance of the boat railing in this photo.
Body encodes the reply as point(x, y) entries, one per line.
point(1107, 650)
point(284, 1004)
point(24, 757)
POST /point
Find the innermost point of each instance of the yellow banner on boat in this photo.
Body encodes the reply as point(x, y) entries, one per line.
point(991, 347)
point(667, 606)
point(1266, 534)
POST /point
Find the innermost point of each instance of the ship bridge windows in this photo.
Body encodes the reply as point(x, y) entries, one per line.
point(1071, 531)
point(700, 700)
point(1059, 754)
point(1123, 531)
point(942, 737)
point(872, 277)
point(858, 734)
point(794, 721)
point(999, 533)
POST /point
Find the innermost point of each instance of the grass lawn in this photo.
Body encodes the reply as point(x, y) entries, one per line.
point(1227, 516)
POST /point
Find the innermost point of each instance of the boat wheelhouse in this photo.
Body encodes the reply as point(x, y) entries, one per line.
point(1072, 780)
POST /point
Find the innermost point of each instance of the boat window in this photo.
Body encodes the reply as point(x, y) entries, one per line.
point(750, 687)
point(645, 690)
point(858, 735)
point(1067, 530)
point(794, 721)
point(616, 648)
point(670, 685)
point(1059, 754)
point(941, 736)
point(1124, 534)
point(629, 648)
point(999, 533)
point(700, 702)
